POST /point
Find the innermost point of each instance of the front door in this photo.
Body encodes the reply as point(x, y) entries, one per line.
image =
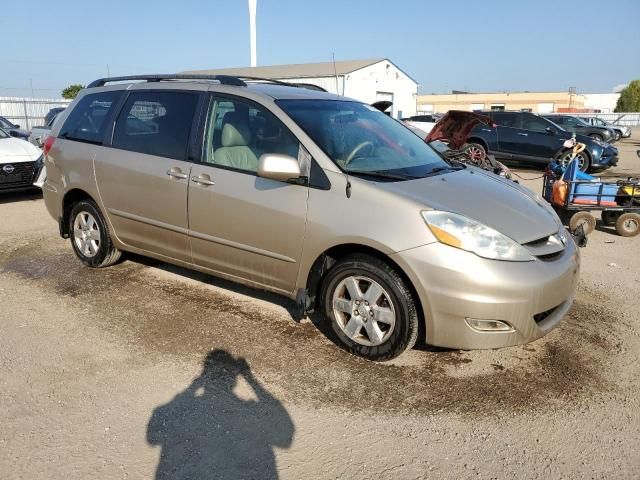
point(541, 143)
point(242, 225)
point(143, 176)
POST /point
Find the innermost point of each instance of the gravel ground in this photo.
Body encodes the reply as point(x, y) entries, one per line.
point(145, 370)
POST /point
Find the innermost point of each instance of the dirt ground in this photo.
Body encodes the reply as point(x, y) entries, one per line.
point(145, 370)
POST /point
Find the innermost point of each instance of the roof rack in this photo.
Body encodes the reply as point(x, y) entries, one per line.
point(223, 79)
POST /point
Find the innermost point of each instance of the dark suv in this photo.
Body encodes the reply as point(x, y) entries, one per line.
point(522, 137)
point(575, 124)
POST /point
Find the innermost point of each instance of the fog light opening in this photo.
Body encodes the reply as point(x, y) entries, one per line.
point(489, 325)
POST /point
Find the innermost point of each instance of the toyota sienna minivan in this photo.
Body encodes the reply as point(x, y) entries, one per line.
point(314, 196)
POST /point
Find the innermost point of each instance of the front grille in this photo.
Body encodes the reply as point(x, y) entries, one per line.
point(550, 256)
point(546, 248)
point(539, 317)
point(21, 175)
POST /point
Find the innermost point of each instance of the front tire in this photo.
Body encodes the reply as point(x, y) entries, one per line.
point(476, 152)
point(371, 308)
point(595, 136)
point(584, 160)
point(585, 219)
point(90, 237)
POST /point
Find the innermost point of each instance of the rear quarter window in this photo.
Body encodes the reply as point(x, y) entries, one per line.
point(88, 120)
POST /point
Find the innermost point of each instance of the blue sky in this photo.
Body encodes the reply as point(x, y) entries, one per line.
point(465, 45)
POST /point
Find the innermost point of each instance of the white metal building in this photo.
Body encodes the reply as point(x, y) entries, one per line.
point(365, 80)
point(602, 102)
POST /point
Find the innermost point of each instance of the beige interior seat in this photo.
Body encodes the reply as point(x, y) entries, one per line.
point(235, 151)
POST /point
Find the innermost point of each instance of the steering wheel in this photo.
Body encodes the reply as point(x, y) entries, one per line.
point(356, 150)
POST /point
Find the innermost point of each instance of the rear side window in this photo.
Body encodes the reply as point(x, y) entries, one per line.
point(506, 119)
point(88, 120)
point(156, 123)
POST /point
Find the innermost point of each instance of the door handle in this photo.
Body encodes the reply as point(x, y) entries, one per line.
point(204, 180)
point(523, 134)
point(175, 172)
point(486, 130)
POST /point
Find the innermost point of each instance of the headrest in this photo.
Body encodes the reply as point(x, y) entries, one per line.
point(235, 135)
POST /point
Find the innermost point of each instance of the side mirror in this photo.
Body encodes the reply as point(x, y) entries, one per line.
point(278, 167)
point(551, 130)
point(15, 125)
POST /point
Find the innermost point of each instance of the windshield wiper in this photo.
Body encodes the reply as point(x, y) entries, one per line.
point(381, 174)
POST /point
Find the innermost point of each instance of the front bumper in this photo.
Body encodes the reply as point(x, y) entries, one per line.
point(21, 177)
point(608, 158)
point(454, 285)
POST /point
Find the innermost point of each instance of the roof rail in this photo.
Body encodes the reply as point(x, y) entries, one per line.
point(223, 79)
point(237, 81)
point(309, 86)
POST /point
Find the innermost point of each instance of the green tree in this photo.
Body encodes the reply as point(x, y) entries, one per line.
point(629, 100)
point(72, 91)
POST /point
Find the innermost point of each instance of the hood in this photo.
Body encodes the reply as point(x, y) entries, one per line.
point(16, 150)
point(19, 132)
point(456, 126)
point(500, 204)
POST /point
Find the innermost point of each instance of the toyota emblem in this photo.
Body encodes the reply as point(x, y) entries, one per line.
point(8, 169)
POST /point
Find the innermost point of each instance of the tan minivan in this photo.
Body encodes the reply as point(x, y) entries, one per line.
point(315, 196)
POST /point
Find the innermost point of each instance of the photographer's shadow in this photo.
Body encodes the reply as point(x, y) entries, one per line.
point(208, 432)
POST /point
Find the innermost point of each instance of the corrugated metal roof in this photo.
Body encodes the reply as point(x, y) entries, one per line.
point(299, 70)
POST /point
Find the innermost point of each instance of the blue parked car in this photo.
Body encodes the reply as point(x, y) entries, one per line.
point(526, 138)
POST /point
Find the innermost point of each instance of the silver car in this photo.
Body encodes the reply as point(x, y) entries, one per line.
point(620, 131)
point(314, 196)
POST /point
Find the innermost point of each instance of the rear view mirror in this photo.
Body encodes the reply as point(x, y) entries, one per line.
point(278, 167)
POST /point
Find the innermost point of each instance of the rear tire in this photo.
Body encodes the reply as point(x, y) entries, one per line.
point(90, 237)
point(371, 308)
point(595, 136)
point(628, 224)
point(617, 135)
point(585, 219)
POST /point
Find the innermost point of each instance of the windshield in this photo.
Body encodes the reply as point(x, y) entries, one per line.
point(361, 140)
point(4, 123)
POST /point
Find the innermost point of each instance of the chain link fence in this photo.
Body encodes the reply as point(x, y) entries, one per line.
point(28, 112)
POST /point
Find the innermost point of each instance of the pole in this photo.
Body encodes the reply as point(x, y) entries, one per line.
point(335, 72)
point(252, 31)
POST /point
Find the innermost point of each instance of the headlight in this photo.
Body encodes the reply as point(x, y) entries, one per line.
point(39, 160)
point(461, 232)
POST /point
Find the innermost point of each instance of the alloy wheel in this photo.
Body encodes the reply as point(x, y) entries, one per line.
point(363, 310)
point(86, 234)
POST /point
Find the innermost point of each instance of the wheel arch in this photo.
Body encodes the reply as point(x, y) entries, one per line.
point(70, 198)
point(479, 141)
point(326, 260)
